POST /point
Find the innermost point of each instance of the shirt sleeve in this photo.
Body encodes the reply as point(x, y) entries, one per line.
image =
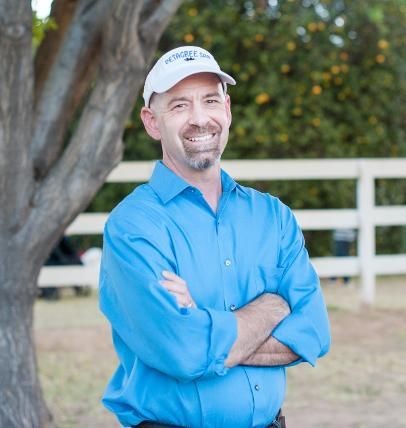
point(182, 343)
point(306, 330)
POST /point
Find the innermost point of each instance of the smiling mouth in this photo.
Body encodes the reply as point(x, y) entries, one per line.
point(201, 138)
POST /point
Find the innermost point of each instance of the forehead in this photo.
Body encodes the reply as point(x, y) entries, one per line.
point(197, 85)
point(204, 81)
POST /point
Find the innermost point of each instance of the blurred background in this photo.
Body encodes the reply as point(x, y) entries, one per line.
point(317, 79)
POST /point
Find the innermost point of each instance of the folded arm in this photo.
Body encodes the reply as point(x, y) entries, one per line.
point(271, 353)
point(255, 322)
point(254, 346)
point(266, 335)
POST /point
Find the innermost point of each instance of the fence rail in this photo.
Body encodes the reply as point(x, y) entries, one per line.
point(365, 217)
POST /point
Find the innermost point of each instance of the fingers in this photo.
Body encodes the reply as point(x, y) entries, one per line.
point(178, 288)
point(173, 277)
point(174, 286)
point(183, 301)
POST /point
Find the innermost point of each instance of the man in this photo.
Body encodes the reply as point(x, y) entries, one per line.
point(206, 283)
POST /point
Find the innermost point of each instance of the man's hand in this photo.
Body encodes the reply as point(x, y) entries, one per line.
point(178, 287)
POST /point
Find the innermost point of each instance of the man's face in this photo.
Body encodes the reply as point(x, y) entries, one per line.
point(192, 121)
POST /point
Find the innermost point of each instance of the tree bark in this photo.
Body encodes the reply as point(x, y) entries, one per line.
point(21, 400)
point(16, 82)
point(45, 179)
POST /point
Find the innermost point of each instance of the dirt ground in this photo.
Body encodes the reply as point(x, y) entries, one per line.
point(361, 383)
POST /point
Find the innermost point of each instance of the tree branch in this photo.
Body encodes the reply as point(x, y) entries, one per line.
point(59, 97)
point(62, 12)
point(96, 146)
point(156, 19)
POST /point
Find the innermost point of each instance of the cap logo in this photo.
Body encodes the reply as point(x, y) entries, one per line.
point(186, 55)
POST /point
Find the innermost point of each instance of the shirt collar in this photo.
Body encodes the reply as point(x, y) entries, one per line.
point(227, 183)
point(230, 184)
point(167, 184)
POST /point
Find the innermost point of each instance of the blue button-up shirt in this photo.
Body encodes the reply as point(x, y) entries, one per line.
point(171, 360)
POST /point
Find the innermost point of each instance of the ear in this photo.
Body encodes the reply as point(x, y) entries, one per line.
point(150, 123)
point(228, 109)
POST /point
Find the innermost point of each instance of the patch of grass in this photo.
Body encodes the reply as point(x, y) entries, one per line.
point(75, 359)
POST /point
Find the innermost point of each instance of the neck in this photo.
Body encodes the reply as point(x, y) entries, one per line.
point(208, 181)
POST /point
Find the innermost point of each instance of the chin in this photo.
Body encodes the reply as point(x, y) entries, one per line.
point(203, 163)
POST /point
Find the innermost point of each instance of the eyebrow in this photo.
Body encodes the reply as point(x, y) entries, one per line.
point(179, 99)
point(212, 94)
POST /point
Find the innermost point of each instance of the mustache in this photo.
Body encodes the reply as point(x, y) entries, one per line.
point(194, 131)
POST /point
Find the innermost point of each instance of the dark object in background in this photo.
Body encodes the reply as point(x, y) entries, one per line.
point(343, 240)
point(63, 254)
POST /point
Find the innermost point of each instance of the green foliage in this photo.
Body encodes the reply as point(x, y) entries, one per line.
point(39, 27)
point(316, 79)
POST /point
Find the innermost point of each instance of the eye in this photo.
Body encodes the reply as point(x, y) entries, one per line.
point(212, 101)
point(180, 106)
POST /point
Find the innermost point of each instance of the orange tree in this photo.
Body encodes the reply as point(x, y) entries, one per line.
point(316, 79)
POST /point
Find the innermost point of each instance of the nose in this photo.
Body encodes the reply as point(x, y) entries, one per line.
point(198, 116)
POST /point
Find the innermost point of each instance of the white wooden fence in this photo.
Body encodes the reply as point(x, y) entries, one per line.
point(365, 217)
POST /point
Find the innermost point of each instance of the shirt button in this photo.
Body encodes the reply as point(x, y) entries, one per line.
point(233, 307)
point(257, 388)
point(227, 262)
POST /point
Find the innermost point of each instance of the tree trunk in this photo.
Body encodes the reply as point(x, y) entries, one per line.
point(21, 401)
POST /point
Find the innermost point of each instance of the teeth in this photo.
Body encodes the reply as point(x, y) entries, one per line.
point(201, 138)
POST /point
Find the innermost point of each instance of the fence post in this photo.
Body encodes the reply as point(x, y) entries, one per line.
point(366, 231)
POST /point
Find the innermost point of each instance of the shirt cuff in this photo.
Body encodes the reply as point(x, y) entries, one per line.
point(222, 337)
point(297, 332)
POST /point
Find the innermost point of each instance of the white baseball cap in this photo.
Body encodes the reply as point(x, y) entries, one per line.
point(178, 64)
